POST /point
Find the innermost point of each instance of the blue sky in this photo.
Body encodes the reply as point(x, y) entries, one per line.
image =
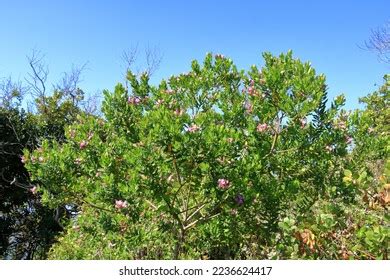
point(327, 33)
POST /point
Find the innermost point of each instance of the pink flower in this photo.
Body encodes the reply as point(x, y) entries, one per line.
point(120, 204)
point(179, 112)
point(251, 91)
point(34, 190)
point(248, 107)
point(33, 159)
point(134, 100)
point(223, 184)
point(23, 159)
point(41, 159)
point(262, 127)
point(252, 83)
point(169, 91)
point(193, 128)
point(303, 122)
point(83, 144)
point(341, 125)
point(349, 140)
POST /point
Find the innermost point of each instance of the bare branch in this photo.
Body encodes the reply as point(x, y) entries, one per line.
point(91, 104)
point(69, 84)
point(37, 79)
point(379, 42)
point(153, 60)
point(9, 91)
point(71, 79)
point(15, 182)
point(129, 57)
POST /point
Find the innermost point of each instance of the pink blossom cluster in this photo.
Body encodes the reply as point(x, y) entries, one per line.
point(120, 204)
point(23, 159)
point(83, 144)
point(223, 183)
point(251, 89)
point(303, 122)
point(179, 112)
point(262, 127)
point(248, 107)
point(348, 140)
point(341, 125)
point(34, 190)
point(134, 100)
point(193, 128)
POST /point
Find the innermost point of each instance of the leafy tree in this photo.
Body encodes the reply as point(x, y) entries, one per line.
point(27, 227)
point(207, 163)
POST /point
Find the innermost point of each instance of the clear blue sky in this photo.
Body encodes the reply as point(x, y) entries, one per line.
point(327, 33)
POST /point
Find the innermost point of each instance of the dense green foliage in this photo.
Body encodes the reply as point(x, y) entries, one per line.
point(222, 163)
point(27, 227)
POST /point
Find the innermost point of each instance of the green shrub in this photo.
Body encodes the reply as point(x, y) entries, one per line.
point(213, 163)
